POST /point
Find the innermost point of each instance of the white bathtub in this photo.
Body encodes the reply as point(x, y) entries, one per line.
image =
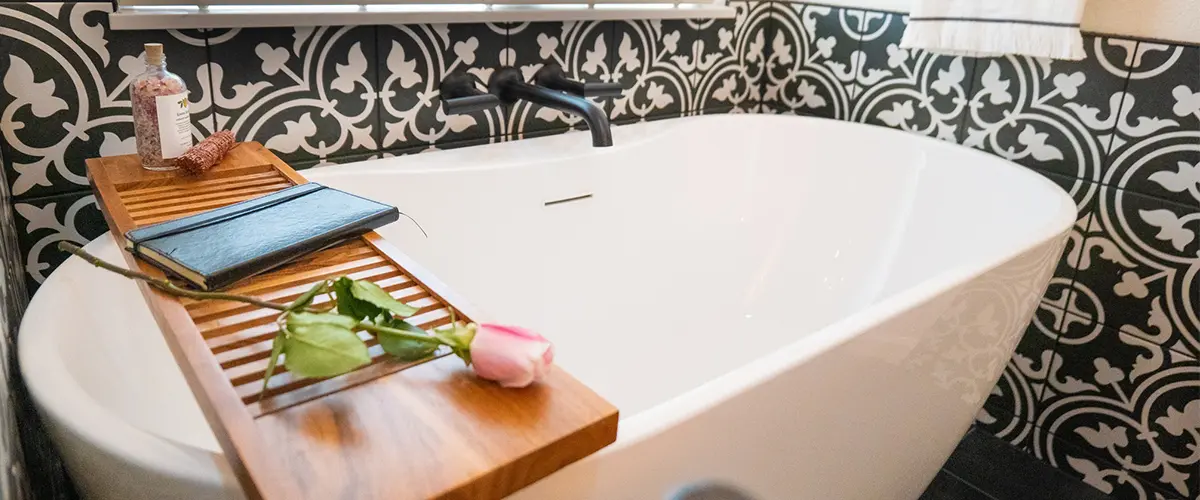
point(805, 309)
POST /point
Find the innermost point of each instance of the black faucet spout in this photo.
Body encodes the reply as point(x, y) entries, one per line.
point(506, 83)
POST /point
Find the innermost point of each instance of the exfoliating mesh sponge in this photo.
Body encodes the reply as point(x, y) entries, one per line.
point(209, 152)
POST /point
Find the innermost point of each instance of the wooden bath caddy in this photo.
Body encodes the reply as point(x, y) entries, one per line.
point(389, 430)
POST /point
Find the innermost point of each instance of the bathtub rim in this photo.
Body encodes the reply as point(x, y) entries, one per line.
point(710, 394)
point(174, 458)
point(58, 394)
point(637, 427)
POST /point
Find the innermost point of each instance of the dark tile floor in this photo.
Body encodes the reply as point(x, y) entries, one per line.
point(984, 467)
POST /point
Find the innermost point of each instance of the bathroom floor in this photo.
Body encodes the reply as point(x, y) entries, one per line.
point(984, 467)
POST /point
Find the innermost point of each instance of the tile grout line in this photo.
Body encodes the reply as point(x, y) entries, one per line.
point(768, 51)
point(762, 78)
point(1031, 416)
point(379, 107)
point(960, 135)
point(1106, 161)
point(611, 41)
point(503, 132)
point(76, 189)
point(1101, 184)
point(970, 484)
point(853, 101)
point(1024, 418)
point(1035, 411)
point(212, 90)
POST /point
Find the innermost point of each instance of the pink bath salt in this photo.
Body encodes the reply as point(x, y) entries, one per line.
point(147, 108)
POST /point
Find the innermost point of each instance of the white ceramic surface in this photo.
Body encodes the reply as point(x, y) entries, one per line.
point(803, 308)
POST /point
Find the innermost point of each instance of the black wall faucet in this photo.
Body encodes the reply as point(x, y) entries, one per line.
point(551, 88)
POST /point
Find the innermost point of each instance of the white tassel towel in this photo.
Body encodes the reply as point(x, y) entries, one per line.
point(1038, 28)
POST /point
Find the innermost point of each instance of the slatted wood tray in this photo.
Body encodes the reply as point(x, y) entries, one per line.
point(388, 430)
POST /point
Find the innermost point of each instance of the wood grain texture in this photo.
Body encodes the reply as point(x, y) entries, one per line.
point(388, 430)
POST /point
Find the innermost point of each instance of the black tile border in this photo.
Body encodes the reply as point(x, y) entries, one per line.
point(947, 486)
point(1004, 472)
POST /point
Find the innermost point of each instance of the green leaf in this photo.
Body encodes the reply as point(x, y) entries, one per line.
point(402, 348)
point(351, 306)
point(319, 347)
point(301, 319)
point(276, 350)
point(370, 292)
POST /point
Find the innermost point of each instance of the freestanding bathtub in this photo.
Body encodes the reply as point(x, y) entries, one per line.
point(801, 308)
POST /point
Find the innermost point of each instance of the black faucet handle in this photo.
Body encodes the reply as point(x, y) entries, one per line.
point(460, 95)
point(552, 76)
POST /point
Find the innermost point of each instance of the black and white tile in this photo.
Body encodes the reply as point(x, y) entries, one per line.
point(1011, 406)
point(1156, 142)
point(413, 61)
point(1129, 400)
point(305, 93)
point(668, 68)
point(583, 49)
point(729, 60)
point(1098, 471)
point(65, 93)
point(1055, 116)
point(1061, 292)
point(995, 470)
point(911, 90)
point(653, 61)
point(1131, 360)
point(1139, 271)
point(812, 59)
point(43, 222)
point(1026, 373)
point(1016, 401)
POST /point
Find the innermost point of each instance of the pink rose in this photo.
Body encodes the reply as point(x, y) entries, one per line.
point(512, 356)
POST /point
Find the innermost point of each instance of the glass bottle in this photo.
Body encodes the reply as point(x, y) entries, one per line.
point(161, 123)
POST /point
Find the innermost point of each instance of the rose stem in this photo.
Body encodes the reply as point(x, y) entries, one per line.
point(373, 328)
point(163, 284)
point(171, 288)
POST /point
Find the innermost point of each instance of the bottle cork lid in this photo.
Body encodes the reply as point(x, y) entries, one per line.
point(154, 53)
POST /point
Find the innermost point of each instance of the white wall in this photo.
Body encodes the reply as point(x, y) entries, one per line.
point(1177, 20)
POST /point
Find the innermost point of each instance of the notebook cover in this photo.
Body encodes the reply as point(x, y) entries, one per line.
point(240, 240)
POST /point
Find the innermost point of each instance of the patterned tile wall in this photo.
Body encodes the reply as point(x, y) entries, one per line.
point(321, 96)
point(1105, 384)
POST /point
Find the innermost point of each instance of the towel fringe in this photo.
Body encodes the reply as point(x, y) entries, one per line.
point(991, 39)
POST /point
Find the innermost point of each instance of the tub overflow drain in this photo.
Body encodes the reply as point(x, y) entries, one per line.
point(568, 200)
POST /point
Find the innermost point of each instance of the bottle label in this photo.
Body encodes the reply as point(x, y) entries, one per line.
point(174, 124)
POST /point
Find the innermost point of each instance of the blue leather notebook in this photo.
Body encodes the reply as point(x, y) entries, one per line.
point(216, 248)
